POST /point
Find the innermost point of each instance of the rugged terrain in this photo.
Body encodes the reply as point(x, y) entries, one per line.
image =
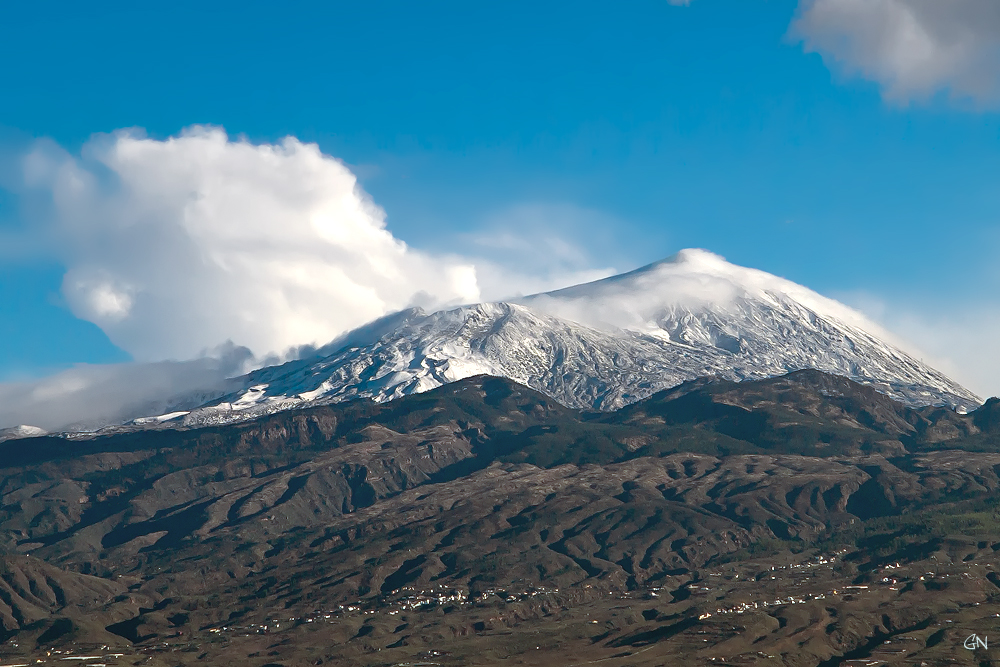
point(800, 520)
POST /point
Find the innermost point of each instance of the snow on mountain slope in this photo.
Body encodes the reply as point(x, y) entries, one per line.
point(693, 281)
point(604, 344)
point(21, 431)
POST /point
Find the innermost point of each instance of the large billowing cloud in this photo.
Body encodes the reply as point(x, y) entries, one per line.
point(174, 246)
point(187, 247)
point(913, 48)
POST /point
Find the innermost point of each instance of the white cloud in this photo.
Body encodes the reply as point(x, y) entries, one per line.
point(174, 246)
point(537, 247)
point(89, 396)
point(958, 337)
point(913, 48)
point(963, 345)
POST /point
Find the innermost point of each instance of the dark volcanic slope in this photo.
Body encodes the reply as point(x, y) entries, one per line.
point(500, 506)
point(813, 413)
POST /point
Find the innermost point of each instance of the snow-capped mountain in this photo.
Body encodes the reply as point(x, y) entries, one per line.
point(603, 344)
point(21, 431)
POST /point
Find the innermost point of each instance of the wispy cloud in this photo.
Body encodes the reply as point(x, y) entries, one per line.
point(956, 336)
point(535, 247)
point(913, 48)
point(89, 396)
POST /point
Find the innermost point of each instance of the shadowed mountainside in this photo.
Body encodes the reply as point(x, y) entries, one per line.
point(483, 486)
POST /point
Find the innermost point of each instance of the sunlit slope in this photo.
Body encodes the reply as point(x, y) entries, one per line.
point(606, 344)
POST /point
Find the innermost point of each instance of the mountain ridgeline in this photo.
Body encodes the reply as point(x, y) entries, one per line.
point(809, 413)
point(598, 346)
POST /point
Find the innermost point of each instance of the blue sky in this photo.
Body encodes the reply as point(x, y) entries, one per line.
point(764, 130)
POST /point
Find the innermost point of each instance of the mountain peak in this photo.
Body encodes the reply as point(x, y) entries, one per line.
point(693, 281)
point(696, 259)
point(605, 344)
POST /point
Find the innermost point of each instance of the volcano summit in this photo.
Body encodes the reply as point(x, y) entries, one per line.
point(604, 344)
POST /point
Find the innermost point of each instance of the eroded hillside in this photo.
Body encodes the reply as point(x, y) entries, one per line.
point(787, 521)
